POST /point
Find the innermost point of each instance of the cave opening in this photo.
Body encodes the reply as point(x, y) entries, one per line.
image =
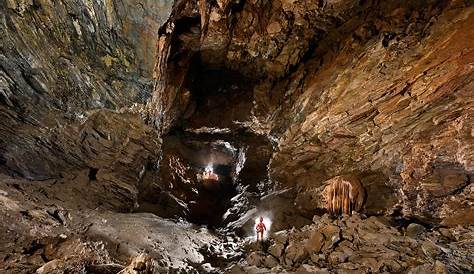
point(211, 134)
point(213, 199)
point(203, 174)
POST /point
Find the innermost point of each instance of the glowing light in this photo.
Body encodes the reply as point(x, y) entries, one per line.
point(209, 168)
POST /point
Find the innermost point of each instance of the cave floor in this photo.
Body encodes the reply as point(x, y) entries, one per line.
point(48, 230)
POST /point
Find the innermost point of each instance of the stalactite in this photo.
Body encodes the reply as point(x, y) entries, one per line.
point(343, 194)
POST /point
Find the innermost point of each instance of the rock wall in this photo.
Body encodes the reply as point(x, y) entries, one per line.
point(379, 90)
point(60, 59)
point(392, 103)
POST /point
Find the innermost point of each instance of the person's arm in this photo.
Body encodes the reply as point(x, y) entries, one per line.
point(264, 227)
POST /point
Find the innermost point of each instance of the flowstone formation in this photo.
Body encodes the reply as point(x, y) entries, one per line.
point(151, 136)
point(343, 194)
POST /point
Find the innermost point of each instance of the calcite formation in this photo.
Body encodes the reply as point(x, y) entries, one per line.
point(109, 111)
point(343, 194)
point(381, 90)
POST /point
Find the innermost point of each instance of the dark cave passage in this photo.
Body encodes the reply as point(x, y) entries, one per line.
point(210, 134)
point(214, 200)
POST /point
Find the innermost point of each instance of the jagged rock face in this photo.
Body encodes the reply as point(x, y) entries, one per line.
point(257, 39)
point(60, 59)
point(380, 90)
point(80, 54)
point(395, 106)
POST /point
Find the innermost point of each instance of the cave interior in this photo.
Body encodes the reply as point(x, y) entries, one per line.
point(141, 137)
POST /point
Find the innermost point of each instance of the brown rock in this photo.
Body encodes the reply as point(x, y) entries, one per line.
point(270, 261)
point(141, 264)
point(305, 268)
point(273, 27)
point(315, 242)
point(337, 257)
point(50, 267)
point(440, 268)
point(276, 249)
point(294, 254)
point(331, 236)
point(430, 249)
point(256, 258)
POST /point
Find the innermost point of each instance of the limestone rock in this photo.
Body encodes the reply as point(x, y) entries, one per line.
point(141, 264)
point(343, 194)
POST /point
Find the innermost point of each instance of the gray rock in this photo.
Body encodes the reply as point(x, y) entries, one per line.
point(415, 230)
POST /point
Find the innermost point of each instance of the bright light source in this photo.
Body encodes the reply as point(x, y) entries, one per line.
point(209, 168)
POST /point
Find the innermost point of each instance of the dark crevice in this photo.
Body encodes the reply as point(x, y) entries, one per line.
point(34, 246)
point(93, 174)
point(237, 6)
point(56, 216)
point(3, 161)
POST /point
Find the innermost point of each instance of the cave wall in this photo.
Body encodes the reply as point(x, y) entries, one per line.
point(60, 61)
point(394, 108)
point(382, 90)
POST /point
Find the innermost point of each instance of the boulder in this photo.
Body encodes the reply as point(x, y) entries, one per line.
point(276, 249)
point(270, 261)
point(415, 230)
point(331, 235)
point(294, 254)
point(256, 258)
point(315, 242)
